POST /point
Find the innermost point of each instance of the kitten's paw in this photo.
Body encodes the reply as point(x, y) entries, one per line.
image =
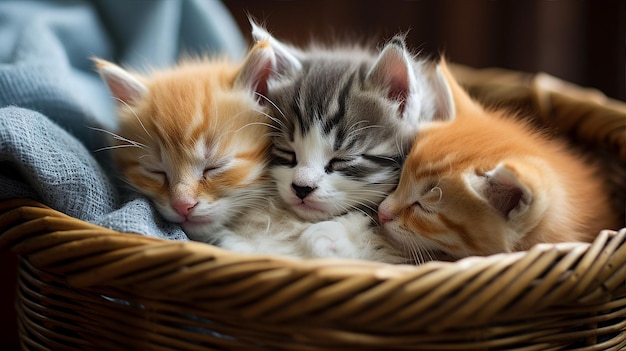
point(327, 239)
point(237, 244)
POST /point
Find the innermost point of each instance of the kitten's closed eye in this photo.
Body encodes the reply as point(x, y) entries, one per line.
point(338, 163)
point(156, 173)
point(429, 189)
point(383, 161)
point(418, 205)
point(429, 196)
point(284, 157)
point(213, 170)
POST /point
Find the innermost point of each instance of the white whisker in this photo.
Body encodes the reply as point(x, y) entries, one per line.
point(120, 138)
point(272, 103)
point(354, 208)
point(368, 191)
point(274, 119)
point(360, 207)
point(354, 131)
point(136, 116)
point(116, 147)
point(256, 124)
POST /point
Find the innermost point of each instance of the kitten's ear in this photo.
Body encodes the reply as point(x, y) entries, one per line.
point(122, 84)
point(505, 192)
point(257, 69)
point(444, 102)
point(450, 96)
point(287, 60)
point(393, 70)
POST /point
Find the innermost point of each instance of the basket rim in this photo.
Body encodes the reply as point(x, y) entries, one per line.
point(477, 290)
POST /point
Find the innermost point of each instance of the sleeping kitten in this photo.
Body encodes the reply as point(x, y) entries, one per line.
point(344, 133)
point(347, 117)
point(483, 183)
point(194, 138)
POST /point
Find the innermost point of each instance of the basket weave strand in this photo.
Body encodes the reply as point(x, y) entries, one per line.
point(89, 283)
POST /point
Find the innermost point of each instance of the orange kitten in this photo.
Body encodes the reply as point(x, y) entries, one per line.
point(483, 183)
point(194, 138)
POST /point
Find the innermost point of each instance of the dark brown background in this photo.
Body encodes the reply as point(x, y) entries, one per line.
point(580, 41)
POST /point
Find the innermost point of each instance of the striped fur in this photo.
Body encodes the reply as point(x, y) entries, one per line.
point(347, 118)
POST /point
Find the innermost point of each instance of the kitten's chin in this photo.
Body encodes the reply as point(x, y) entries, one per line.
point(394, 237)
point(412, 243)
point(402, 239)
point(200, 231)
point(311, 212)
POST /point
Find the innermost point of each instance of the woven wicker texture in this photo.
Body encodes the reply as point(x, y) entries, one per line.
point(84, 287)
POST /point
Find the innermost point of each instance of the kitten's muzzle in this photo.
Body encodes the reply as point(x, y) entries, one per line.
point(183, 206)
point(384, 218)
point(302, 191)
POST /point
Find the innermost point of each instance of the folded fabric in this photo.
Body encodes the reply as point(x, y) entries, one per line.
point(52, 102)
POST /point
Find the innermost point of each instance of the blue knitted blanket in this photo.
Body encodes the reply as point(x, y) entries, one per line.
point(52, 101)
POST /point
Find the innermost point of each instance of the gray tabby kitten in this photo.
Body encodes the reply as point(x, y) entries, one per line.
point(345, 118)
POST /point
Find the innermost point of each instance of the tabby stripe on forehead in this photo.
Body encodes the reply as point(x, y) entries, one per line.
point(296, 107)
point(335, 119)
point(341, 132)
point(199, 131)
point(161, 134)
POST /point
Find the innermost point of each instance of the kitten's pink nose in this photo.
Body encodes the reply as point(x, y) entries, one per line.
point(384, 217)
point(184, 205)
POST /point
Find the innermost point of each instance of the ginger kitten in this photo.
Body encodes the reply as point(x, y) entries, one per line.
point(194, 138)
point(483, 182)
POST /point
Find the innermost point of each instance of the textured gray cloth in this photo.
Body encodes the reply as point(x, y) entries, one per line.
point(51, 99)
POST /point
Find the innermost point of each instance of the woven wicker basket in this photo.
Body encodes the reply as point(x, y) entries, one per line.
point(84, 287)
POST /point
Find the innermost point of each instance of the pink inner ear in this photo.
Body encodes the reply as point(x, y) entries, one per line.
point(398, 85)
point(504, 198)
point(256, 71)
point(122, 85)
point(261, 83)
point(392, 71)
point(122, 90)
point(504, 191)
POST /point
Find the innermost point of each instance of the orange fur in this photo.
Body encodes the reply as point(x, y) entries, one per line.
point(203, 137)
point(175, 97)
point(440, 202)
